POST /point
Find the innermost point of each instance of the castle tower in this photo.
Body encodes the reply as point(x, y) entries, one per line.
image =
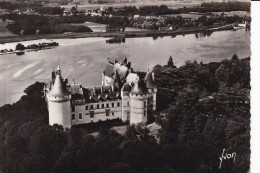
point(138, 104)
point(125, 91)
point(59, 102)
point(152, 89)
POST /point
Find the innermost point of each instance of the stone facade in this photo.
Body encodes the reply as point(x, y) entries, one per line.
point(122, 95)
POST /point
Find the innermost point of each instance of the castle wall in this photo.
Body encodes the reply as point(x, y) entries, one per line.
point(99, 114)
point(138, 108)
point(154, 98)
point(152, 95)
point(60, 113)
point(125, 106)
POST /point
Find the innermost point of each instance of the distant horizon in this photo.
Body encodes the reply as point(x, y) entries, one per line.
point(124, 1)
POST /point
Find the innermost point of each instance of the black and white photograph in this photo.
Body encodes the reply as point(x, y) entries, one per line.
point(125, 86)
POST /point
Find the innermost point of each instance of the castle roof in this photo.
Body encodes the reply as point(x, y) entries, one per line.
point(112, 68)
point(58, 89)
point(138, 88)
point(132, 78)
point(149, 80)
point(126, 87)
point(100, 93)
point(121, 70)
point(109, 69)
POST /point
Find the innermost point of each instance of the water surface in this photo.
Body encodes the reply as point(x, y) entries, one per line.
point(84, 59)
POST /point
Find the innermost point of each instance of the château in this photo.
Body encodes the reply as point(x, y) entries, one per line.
point(122, 95)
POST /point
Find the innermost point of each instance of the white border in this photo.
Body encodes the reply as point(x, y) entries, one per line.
point(255, 91)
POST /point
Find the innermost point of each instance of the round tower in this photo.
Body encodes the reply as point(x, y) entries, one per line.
point(125, 91)
point(59, 102)
point(138, 104)
point(152, 89)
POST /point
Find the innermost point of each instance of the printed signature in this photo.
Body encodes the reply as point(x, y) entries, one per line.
point(227, 156)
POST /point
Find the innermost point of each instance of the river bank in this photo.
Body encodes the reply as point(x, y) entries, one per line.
point(78, 57)
point(126, 34)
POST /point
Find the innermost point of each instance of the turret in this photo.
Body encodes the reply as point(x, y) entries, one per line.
point(138, 103)
point(125, 61)
point(125, 91)
point(152, 89)
point(59, 102)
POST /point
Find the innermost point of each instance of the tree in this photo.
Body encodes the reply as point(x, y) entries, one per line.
point(20, 46)
point(234, 57)
point(170, 62)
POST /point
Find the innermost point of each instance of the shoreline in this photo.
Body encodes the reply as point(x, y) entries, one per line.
point(126, 34)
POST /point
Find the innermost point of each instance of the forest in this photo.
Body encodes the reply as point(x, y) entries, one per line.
point(207, 108)
point(205, 7)
point(35, 24)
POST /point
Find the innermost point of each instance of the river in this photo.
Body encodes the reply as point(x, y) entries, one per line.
point(84, 59)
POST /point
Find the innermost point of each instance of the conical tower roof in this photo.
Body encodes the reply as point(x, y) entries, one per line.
point(149, 81)
point(138, 88)
point(58, 89)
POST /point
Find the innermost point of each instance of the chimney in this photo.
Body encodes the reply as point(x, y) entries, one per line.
point(53, 75)
point(125, 60)
point(94, 90)
point(129, 65)
point(66, 81)
point(112, 88)
point(116, 61)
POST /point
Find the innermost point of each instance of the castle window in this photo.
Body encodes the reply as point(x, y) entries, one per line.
point(91, 106)
point(103, 105)
point(113, 104)
point(73, 116)
point(107, 112)
point(91, 114)
point(118, 104)
point(97, 106)
point(86, 107)
point(113, 113)
point(73, 108)
point(80, 115)
point(107, 105)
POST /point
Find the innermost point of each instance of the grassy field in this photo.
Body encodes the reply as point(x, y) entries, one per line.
point(170, 4)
